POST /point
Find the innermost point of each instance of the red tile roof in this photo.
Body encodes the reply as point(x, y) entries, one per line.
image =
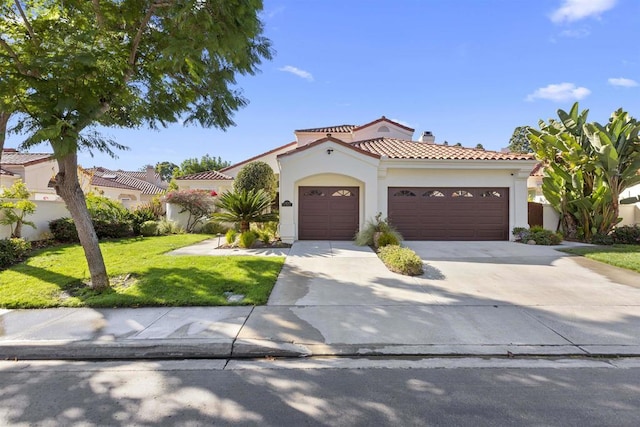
point(11, 156)
point(6, 172)
point(214, 175)
point(330, 129)
point(538, 170)
point(291, 144)
point(402, 149)
point(332, 139)
point(383, 119)
point(101, 177)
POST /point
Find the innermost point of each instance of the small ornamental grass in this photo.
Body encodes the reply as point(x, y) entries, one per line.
point(401, 260)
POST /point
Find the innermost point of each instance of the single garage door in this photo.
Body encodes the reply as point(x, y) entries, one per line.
point(328, 213)
point(446, 213)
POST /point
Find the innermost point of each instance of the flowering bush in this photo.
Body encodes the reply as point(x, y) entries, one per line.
point(198, 203)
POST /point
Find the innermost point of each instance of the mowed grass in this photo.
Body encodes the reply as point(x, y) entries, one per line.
point(625, 256)
point(141, 274)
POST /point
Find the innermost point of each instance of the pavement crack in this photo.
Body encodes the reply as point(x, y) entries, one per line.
point(233, 343)
point(553, 330)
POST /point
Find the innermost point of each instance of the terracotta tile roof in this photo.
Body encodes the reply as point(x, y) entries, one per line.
point(330, 129)
point(11, 156)
point(102, 177)
point(6, 172)
point(538, 170)
point(291, 144)
point(214, 175)
point(143, 176)
point(332, 139)
point(402, 149)
point(383, 119)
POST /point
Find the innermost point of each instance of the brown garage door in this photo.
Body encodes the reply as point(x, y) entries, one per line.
point(446, 213)
point(328, 213)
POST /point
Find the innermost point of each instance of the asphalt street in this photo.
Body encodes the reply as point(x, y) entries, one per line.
point(326, 392)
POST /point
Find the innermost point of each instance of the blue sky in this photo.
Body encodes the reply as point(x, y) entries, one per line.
point(470, 71)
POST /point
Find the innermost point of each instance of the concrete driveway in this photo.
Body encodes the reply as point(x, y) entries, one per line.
point(474, 298)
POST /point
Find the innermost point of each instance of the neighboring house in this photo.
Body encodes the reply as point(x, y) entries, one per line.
point(534, 184)
point(333, 179)
point(131, 188)
point(36, 170)
point(211, 180)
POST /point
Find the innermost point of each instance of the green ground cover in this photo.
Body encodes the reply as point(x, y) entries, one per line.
point(625, 256)
point(141, 273)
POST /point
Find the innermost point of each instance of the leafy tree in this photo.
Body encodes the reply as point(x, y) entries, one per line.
point(125, 63)
point(198, 203)
point(519, 141)
point(479, 147)
point(587, 167)
point(15, 210)
point(256, 176)
point(244, 207)
point(205, 163)
point(165, 170)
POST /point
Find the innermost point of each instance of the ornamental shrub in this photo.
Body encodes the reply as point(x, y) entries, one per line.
point(230, 237)
point(401, 260)
point(149, 228)
point(538, 234)
point(151, 211)
point(64, 230)
point(627, 234)
point(198, 203)
point(372, 228)
point(213, 227)
point(15, 208)
point(166, 227)
point(256, 176)
point(12, 251)
point(112, 229)
point(247, 239)
point(104, 209)
point(387, 238)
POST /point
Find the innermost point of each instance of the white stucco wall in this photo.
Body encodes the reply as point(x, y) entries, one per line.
point(314, 166)
point(376, 131)
point(46, 211)
point(35, 176)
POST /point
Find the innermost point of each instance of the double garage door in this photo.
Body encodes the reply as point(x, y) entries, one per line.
point(328, 213)
point(445, 213)
point(419, 213)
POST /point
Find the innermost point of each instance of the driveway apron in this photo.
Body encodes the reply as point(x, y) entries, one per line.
point(498, 298)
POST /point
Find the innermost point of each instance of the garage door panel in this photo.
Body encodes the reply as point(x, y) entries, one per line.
point(450, 213)
point(328, 213)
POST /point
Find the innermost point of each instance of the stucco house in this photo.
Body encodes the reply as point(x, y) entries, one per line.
point(333, 179)
point(131, 188)
point(36, 170)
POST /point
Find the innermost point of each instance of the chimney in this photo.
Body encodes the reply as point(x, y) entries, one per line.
point(151, 174)
point(427, 137)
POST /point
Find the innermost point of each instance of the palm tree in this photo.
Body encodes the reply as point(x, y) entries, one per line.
point(244, 207)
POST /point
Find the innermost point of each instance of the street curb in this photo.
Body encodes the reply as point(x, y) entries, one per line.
point(256, 349)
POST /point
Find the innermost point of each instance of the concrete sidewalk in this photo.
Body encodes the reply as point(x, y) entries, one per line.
point(334, 298)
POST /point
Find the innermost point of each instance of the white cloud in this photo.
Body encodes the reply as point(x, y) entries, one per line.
point(621, 81)
point(575, 10)
point(579, 33)
point(559, 92)
point(298, 72)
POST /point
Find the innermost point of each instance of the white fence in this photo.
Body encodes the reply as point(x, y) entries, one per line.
point(46, 210)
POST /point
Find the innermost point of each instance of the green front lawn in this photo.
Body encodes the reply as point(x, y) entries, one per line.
point(141, 275)
point(625, 256)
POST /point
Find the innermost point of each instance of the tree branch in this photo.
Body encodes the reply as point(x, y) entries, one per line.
point(32, 33)
point(98, 12)
point(138, 37)
point(19, 65)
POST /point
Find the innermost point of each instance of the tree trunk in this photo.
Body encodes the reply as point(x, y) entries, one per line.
point(244, 226)
point(68, 187)
point(4, 119)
